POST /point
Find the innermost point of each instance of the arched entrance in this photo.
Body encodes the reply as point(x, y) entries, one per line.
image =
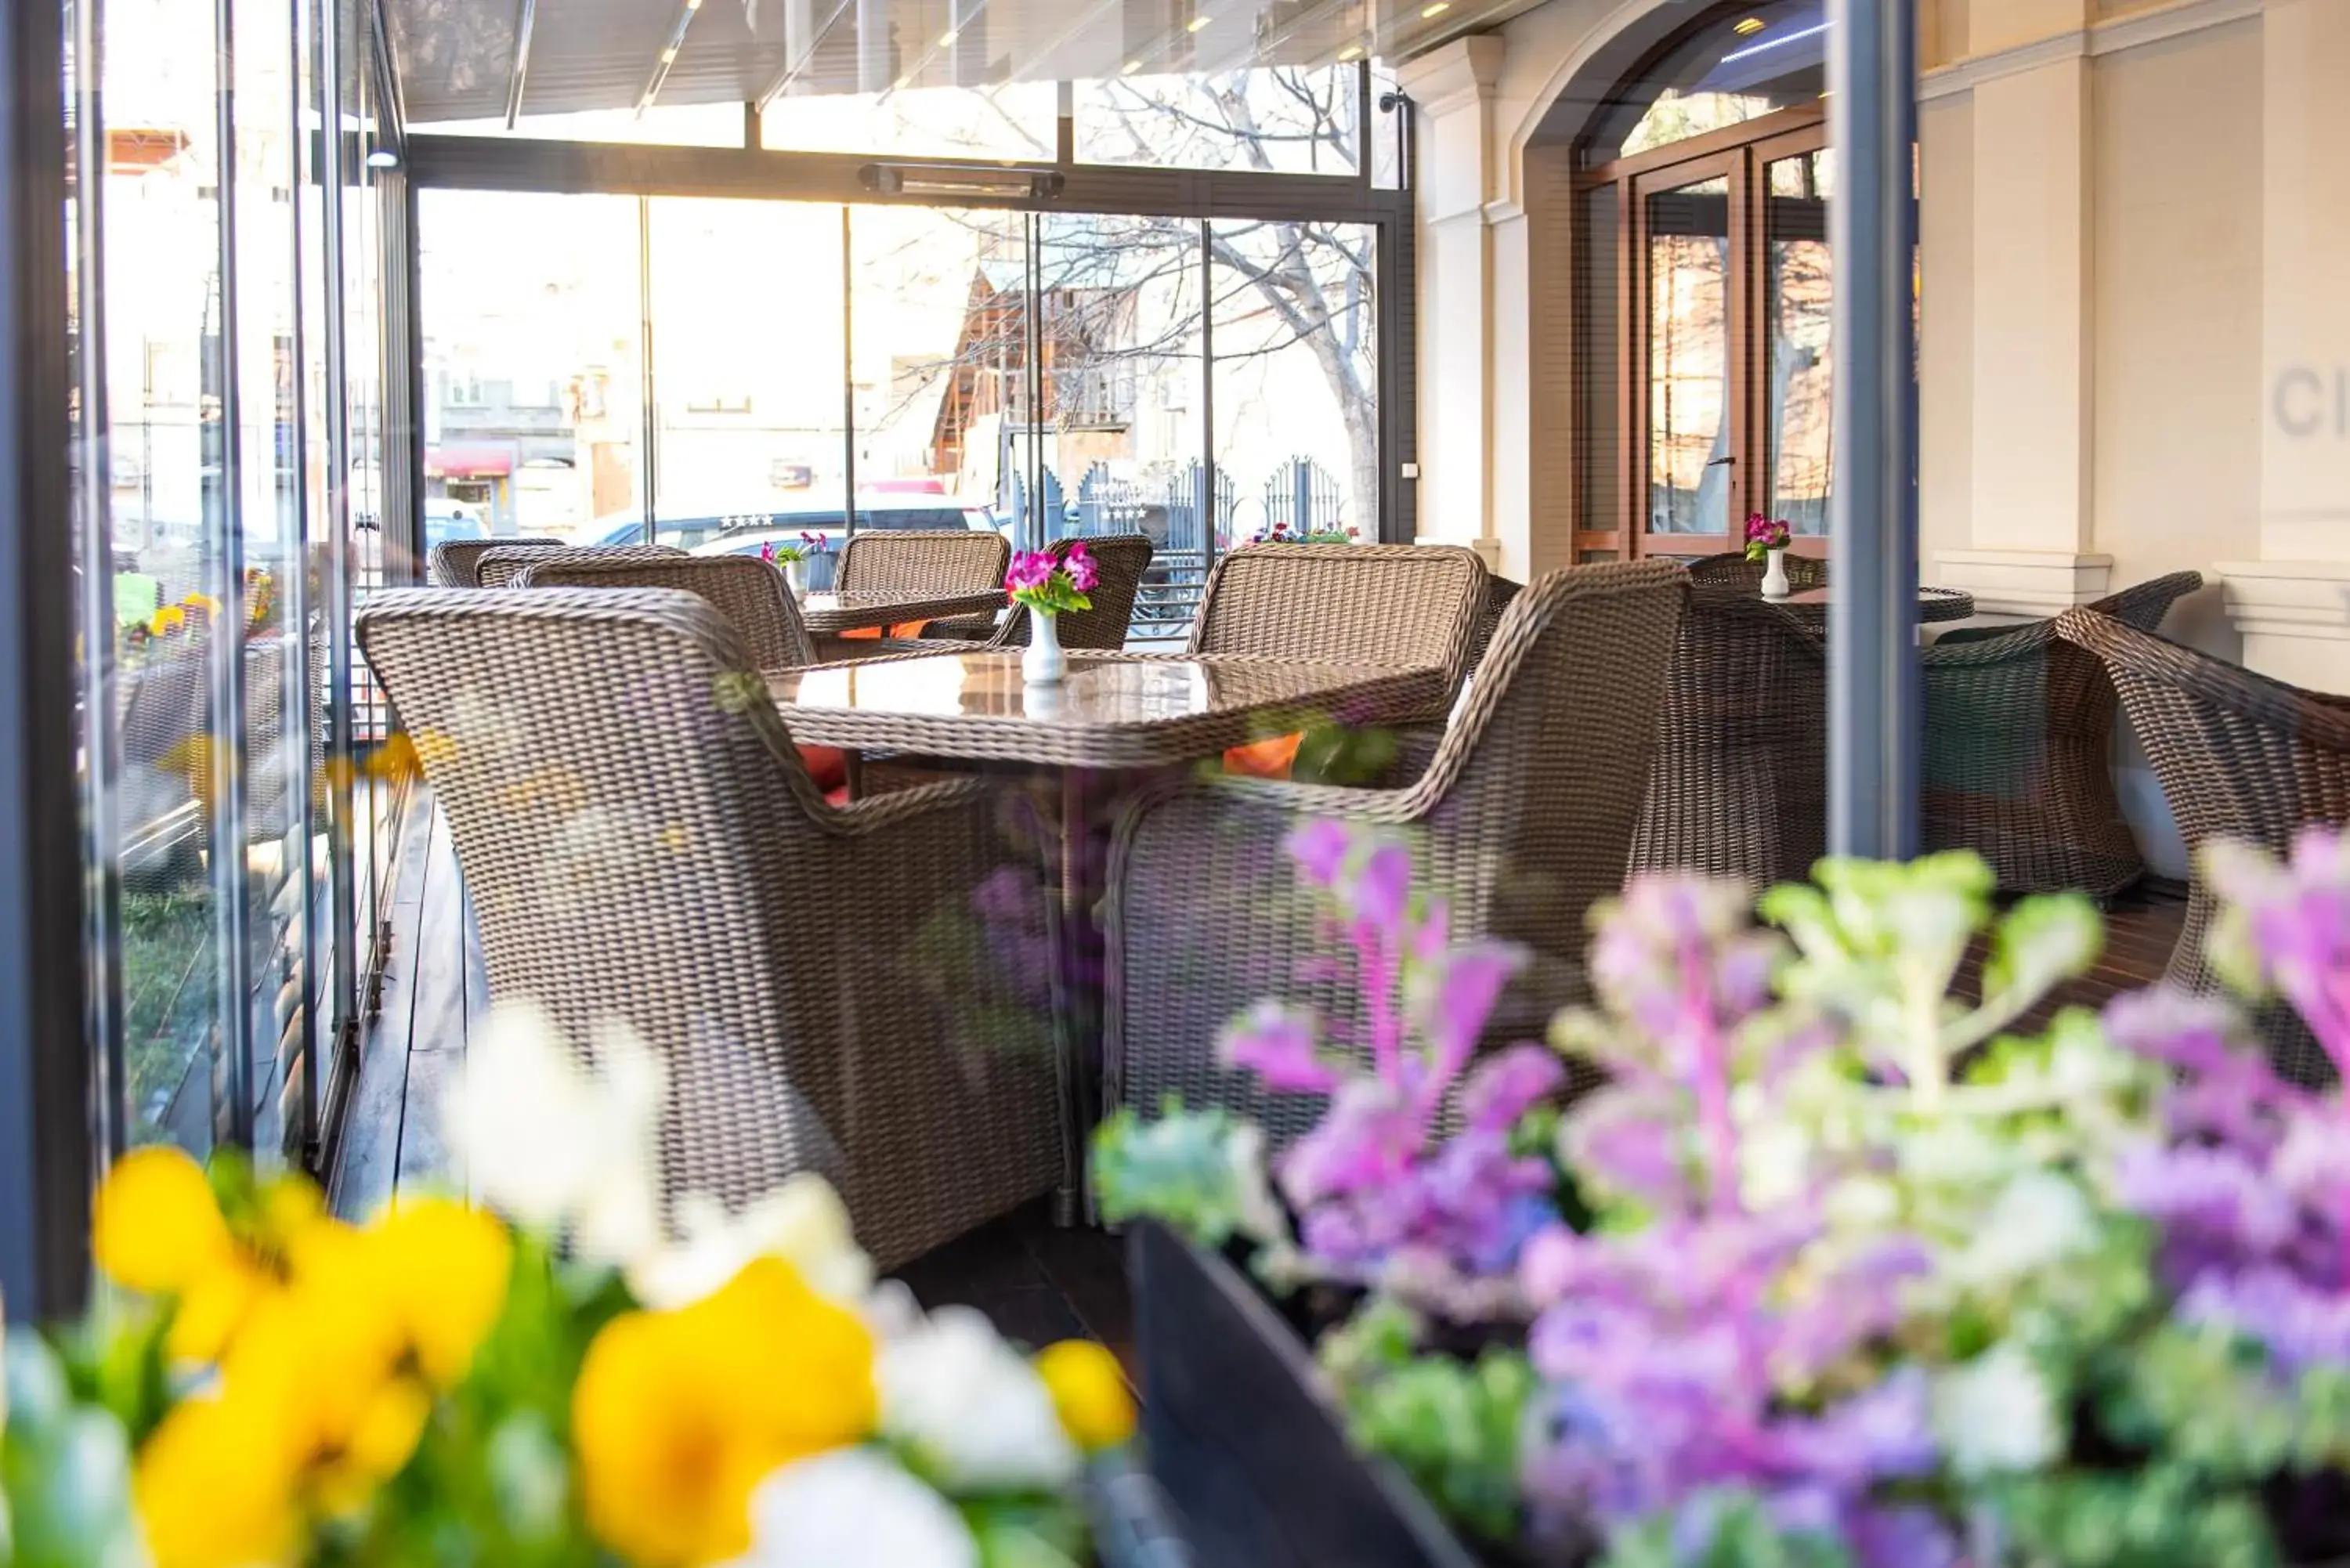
point(1697, 190)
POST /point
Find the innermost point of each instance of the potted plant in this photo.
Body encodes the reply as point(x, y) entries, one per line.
point(1281, 533)
point(555, 1383)
point(1766, 541)
point(794, 559)
point(1835, 1269)
point(1048, 587)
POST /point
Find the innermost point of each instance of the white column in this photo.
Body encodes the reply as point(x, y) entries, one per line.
point(2032, 394)
point(1451, 89)
point(2293, 603)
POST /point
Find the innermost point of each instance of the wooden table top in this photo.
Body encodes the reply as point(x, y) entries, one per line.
point(1114, 711)
point(828, 615)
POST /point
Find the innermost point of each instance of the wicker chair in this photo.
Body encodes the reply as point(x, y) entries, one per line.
point(1740, 785)
point(642, 846)
point(456, 563)
point(1734, 570)
point(942, 560)
point(2019, 750)
point(503, 568)
point(1518, 832)
point(2239, 757)
point(752, 596)
point(1500, 593)
point(1367, 604)
point(1123, 558)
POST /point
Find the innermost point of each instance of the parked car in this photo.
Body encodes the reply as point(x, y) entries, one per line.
point(446, 520)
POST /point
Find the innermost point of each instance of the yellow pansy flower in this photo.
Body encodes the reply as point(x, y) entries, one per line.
point(678, 1416)
point(167, 621)
point(1090, 1392)
point(158, 1229)
point(214, 1310)
point(444, 1268)
point(214, 1487)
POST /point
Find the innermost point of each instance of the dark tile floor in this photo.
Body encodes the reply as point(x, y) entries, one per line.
point(1039, 1283)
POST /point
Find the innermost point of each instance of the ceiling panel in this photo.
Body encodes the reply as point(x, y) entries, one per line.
point(456, 57)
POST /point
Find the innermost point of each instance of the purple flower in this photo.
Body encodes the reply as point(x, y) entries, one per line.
point(1030, 571)
point(814, 543)
point(1508, 1083)
point(2300, 1323)
point(1320, 845)
point(1278, 1043)
point(1084, 571)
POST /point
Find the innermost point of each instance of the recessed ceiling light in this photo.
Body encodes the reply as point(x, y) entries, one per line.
point(693, 4)
point(1195, 23)
point(667, 55)
point(1128, 68)
point(1350, 51)
point(1437, 8)
point(947, 39)
point(1749, 25)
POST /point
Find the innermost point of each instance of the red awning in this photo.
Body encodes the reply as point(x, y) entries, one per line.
point(468, 461)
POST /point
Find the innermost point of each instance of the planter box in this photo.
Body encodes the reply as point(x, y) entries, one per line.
point(1246, 1447)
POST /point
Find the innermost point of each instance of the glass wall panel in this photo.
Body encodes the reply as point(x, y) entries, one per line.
point(1290, 120)
point(750, 324)
point(1017, 121)
point(1296, 376)
point(1797, 297)
point(1689, 435)
point(161, 293)
point(532, 311)
point(662, 125)
point(1122, 328)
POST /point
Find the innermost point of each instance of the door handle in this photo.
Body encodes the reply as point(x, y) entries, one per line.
point(1719, 462)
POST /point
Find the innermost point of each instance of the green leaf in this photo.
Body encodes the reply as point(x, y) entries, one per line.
point(1197, 1172)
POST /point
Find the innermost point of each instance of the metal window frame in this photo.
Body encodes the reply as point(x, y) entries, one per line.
point(752, 173)
point(47, 1149)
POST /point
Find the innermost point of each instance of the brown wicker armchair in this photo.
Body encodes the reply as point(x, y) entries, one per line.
point(752, 596)
point(1518, 830)
point(1122, 557)
point(2018, 750)
point(1740, 782)
point(1367, 604)
point(1734, 570)
point(942, 560)
point(456, 563)
point(503, 568)
point(642, 845)
point(2239, 757)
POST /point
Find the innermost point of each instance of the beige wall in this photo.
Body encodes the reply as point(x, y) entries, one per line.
point(2113, 293)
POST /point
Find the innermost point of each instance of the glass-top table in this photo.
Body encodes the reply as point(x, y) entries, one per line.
point(1933, 604)
point(829, 615)
point(1115, 711)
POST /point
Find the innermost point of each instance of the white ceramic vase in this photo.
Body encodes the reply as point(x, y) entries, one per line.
point(1043, 663)
point(795, 574)
point(1774, 574)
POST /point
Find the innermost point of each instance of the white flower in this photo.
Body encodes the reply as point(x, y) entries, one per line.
point(971, 1408)
point(854, 1508)
point(2039, 1220)
point(1995, 1413)
point(555, 1147)
point(803, 1222)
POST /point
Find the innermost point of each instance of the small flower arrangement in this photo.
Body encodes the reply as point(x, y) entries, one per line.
point(1835, 1269)
point(1764, 534)
point(1281, 533)
point(788, 554)
point(554, 1383)
point(1052, 587)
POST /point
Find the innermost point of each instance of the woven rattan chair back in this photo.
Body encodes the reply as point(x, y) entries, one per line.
point(2017, 752)
point(1734, 570)
point(1522, 820)
point(1366, 604)
point(922, 561)
point(1123, 558)
point(2239, 757)
point(1739, 788)
point(643, 848)
point(503, 568)
point(456, 563)
point(752, 596)
point(1499, 594)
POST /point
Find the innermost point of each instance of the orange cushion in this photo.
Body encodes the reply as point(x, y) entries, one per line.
point(1270, 759)
point(903, 628)
point(836, 797)
point(827, 766)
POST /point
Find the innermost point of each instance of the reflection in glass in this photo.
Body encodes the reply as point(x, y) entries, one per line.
point(1018, 121)
point(534, 372)
point(1296, 375)
point(1797, 297)
point(1290, 120)
point(1689, 358)
point(1749, 62)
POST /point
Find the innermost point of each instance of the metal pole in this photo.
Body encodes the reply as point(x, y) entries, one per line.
point(1873, 694)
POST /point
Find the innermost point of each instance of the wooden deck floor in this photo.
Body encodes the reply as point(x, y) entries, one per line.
point(1038, 1283)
